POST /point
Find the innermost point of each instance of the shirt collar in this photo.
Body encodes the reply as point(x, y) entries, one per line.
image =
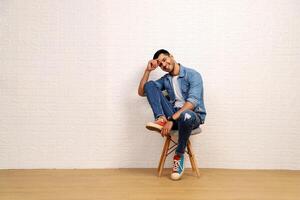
point(181, 70)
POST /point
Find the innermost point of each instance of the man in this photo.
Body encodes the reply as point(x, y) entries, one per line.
point(183, 109)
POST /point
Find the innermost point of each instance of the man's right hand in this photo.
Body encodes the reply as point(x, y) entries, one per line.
point(152, 65)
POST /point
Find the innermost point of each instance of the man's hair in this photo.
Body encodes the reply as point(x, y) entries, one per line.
point(161, 51)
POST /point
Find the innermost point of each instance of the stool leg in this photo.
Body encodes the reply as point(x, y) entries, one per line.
point(164, 155)
point(193, 158)
point(190, 156)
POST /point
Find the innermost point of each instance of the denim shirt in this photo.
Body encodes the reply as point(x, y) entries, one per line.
point(191, 85)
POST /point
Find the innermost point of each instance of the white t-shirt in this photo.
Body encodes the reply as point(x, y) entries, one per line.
point(179, 100)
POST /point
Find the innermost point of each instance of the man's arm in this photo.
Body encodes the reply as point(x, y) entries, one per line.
point(142, 83)
point(186, 106)
point(152, 65)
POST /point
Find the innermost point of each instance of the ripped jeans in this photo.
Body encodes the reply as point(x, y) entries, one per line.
point(187, 121)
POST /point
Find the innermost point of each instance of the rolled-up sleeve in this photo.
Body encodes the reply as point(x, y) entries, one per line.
point(196, 88)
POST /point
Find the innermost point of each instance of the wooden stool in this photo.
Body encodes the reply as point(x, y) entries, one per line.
point(167, 150)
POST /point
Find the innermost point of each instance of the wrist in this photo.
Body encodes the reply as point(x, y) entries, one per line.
point(171, 119)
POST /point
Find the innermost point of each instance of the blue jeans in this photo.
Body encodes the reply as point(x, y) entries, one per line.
point(187, 121)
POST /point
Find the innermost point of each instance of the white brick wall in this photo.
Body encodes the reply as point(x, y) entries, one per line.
point(70, 70)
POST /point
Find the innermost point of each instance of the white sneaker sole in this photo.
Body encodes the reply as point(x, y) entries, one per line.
point(176, 176)
point(154, 127)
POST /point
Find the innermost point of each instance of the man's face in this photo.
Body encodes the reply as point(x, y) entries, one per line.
point(166, 63)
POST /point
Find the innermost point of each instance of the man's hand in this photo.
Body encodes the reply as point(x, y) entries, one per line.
point(166, 129)
point(152, 65)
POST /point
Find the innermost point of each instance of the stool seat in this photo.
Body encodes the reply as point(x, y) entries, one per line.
point(195, 131)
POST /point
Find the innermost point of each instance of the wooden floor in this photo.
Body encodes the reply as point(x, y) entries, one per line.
point(143, 184)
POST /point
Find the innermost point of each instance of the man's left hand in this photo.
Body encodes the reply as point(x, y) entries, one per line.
point(167, 128)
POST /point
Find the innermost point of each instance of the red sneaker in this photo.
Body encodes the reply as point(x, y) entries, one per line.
point(157, 125)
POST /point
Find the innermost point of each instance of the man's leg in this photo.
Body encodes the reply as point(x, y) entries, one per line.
point(187, 121)
point(158, 102)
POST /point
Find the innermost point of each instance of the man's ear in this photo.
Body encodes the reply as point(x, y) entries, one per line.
point(171, 56)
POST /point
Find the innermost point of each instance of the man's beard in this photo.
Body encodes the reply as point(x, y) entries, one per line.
point(173, 68)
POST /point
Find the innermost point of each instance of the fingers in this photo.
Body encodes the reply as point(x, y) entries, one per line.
point(152, 65)
point(164, 132)
point(167, 132)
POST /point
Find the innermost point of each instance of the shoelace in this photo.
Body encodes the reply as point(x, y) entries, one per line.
point(176, 165)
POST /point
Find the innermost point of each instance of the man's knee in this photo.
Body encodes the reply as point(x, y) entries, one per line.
point(187, 117)
point(149, 85)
